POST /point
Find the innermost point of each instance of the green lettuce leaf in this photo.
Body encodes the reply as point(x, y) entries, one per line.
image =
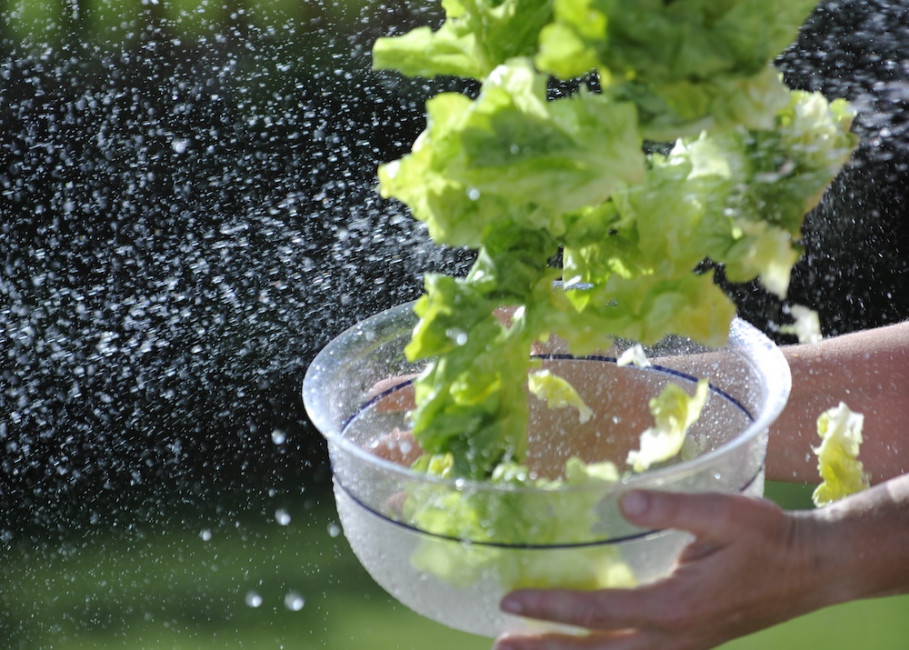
point(558, 393)
point(511, 155)
point(737, 197)
point(476, 37)
point(527, 181)
point(674, 411)
point(687, 65)
point(842, 472)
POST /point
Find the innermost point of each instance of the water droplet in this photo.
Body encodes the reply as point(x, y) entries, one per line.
point(334, 529)
point(294, 601)
point(253, 599)
point(278, 437)
point(282, 516)
point(473, 194)
point(457, 335)
point(205, 534)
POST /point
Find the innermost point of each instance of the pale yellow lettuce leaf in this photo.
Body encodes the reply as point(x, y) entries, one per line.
point(807, 325)
point(842, 472)
point(674, 411)
point(634, 356)
point(558, 393)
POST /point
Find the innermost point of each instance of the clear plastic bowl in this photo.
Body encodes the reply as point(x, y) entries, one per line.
point(356, 391)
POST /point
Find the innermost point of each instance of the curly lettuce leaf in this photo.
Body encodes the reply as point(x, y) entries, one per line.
point(774, 178)
point(524, 180)
point(558, 393)
point(674, 411)
point(687, 65)
point(476, 37)
point(737, 197)
point(511, 155)
point(806, 326)
point(840, 469)
point(471, 399)
point(686, 107)
point(700, 306)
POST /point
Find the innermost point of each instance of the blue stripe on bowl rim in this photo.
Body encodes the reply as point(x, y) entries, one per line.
point(518, 546)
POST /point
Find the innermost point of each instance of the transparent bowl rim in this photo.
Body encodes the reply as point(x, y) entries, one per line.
point(315, 391)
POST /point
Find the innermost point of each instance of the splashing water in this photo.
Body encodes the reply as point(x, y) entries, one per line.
point(187, 215)
point(855, 267)
point(184, 222)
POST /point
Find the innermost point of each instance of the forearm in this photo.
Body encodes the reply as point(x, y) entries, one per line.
point(869, 371)
point(863, 544)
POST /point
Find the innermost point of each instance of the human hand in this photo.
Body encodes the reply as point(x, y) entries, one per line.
point(750, 566)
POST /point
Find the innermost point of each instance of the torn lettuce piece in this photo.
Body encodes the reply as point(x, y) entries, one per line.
point(674, 411)
point(840, 469)
point(634, 356)
point(511, 156)
point(687, 65)
point(807, 325)
point(477, 36)
point(558, 393)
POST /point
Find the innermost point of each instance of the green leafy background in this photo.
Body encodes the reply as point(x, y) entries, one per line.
point(168, 587)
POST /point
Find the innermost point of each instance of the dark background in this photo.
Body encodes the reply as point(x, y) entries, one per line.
point(187, 215)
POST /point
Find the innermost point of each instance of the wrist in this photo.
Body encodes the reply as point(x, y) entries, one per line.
point(834, 557)
point(822, 562)
point(860, 544)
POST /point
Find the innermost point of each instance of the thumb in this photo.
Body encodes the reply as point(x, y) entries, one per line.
point(708, 515)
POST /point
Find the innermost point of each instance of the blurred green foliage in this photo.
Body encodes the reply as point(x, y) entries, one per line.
point(115, 23)
point(278, 574)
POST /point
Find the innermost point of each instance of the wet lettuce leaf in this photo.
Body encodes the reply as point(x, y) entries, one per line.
point(573, 189)
point(674, 411)
point(476, 37)
point(840, 469)
point(558, 393)
point(688, 65)
point(512, 157)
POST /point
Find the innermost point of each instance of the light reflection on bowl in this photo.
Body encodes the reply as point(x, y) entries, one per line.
point(459, 581)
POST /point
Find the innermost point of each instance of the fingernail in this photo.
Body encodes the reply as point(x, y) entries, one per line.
point(512, 606)
point(635, 504)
